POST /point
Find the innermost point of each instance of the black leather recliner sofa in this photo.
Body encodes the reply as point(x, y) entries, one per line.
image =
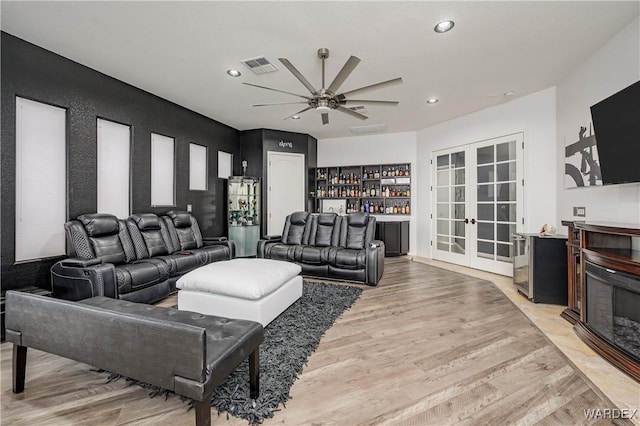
point(328, 245)
point(138, 259)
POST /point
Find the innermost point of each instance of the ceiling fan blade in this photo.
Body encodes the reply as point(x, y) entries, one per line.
point(280, 103)
point(299, 112)
point(347, 68)
point(368, 102)
point(325, 118)
point(371, 87)
point(351, 112)
point(298, 75)
point(276, 90)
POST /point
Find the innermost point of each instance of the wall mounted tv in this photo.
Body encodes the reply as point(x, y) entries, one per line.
point(616, 124)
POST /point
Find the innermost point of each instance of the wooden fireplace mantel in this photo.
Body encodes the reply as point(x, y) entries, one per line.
point(608, 245)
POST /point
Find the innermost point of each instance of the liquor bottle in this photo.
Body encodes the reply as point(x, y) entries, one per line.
point(395, 209)
point(366, 207)
point(364, 176)
point(372, 192)
point(384, 172)
point(406, 171)
point(376, 174)
point(407, 208)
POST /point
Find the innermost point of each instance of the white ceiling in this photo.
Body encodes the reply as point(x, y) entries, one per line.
point(181, 50)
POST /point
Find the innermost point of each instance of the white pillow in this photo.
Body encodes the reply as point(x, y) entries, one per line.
point(243, 278)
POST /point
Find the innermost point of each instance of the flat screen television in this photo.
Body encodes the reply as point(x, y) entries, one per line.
point(616, 125)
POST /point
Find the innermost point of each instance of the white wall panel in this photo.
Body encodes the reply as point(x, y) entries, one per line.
point(613, 67)
point(535, 116)
point(162, 170)
point(40, 180)
point(225, 164)
point(197, 167)
point(114, 146)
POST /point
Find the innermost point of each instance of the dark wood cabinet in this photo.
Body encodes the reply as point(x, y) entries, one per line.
point(572, 313)
point(395, 236)
point(604, 291)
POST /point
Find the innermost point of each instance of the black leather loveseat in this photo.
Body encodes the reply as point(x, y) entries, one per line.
point(138, 259)
point(328, 245)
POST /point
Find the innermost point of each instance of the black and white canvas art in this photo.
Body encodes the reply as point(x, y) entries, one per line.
point(582, 166)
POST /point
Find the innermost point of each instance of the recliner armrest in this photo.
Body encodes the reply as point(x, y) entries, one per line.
point(375, 262)
point(221, 241)
point(206, 240)
point(78, 262)
point(77, 279)
point(376, 244)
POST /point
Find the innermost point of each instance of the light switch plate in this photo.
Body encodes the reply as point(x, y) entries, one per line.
point(580, 211)
point(189, 208)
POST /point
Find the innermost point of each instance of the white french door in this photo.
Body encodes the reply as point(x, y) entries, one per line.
point(478, 203)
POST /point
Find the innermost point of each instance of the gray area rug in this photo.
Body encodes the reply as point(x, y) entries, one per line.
point(288, 342)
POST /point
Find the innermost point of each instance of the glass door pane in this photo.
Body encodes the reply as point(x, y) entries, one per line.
point(498, 190)
point(450, 204)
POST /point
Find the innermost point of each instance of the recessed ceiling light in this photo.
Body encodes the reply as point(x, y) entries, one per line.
point(234, 73)
point(432, 101)
point(509, 94)
point(295, 117)
point(444, 26)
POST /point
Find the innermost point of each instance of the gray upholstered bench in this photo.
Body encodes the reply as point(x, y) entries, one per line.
point(184, 352)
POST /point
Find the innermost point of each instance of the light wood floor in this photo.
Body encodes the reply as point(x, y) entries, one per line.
point(426, 346)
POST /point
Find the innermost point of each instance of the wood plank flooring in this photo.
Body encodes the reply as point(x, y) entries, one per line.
point(425, 347)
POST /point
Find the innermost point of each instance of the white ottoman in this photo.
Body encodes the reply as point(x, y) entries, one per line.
point(253, 289)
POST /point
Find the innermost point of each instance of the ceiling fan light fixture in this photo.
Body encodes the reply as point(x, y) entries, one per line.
point(234, 73)
point(444, 26)
point(323, 106)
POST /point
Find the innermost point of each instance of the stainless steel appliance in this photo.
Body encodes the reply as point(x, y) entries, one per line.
point(540, 267)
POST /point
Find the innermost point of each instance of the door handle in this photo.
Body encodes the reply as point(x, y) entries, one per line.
point(473, 221)
point(466, 220)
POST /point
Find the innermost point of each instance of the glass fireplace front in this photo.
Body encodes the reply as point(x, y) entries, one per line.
point(613, 307)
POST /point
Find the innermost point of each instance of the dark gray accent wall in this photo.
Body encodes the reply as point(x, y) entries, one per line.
point(32, 72)
point(254, 145)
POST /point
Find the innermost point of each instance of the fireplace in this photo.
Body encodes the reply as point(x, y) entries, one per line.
point(613, 307)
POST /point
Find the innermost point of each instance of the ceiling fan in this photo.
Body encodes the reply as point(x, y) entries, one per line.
point(327, 98)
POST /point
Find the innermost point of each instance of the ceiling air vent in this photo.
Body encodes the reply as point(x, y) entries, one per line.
point(259, 65)
point(367, 130)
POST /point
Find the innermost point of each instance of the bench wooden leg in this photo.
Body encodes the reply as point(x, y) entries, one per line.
point(19, 367)
point(254, 373)
point(203, 411)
